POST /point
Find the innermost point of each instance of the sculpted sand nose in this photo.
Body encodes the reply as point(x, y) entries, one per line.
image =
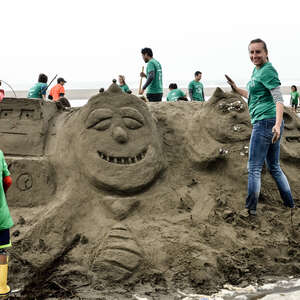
point(120, 135)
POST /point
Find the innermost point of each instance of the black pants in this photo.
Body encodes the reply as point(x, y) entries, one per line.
point(154, 97)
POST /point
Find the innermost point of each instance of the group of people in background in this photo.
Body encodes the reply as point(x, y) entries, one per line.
point(57, 92)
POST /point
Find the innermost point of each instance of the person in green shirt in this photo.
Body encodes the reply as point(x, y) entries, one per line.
point(122, 84)
point(175, 93)
point(39, 89)
point(294, 97)
point(153, 74)
point(196, 89)
point(6, 223)
point(265, 104)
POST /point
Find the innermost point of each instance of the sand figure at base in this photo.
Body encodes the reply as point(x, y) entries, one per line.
point(223, 119)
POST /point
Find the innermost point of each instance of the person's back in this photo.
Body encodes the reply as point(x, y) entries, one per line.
point(39, 89)
point(58, 90)
point(174, 93)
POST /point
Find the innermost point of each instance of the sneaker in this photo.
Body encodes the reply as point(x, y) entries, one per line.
point(252, 212)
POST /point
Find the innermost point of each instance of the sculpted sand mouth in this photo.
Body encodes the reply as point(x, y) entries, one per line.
point(123, 160)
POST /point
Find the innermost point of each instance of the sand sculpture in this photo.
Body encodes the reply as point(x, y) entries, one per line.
point(119, 193)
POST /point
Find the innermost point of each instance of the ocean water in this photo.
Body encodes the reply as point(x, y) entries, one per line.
point(81, 102)
point(280, 290)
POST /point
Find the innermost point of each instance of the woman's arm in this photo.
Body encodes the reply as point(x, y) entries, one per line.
point(278, 99)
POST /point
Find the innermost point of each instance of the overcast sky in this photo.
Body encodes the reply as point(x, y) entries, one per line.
point(95, 41)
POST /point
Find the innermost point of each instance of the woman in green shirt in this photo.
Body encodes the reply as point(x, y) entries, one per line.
point(294, 97)
point(265, 104)
point(122, 84)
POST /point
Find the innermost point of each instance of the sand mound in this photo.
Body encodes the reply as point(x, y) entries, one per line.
point(123, 196)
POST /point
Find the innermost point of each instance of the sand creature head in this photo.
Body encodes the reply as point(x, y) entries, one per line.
point(221, 120)
point(290, 141)
point(118, 145)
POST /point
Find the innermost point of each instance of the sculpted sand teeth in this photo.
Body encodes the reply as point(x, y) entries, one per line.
point(123, 160)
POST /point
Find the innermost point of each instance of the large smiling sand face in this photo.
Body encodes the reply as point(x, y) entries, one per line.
point(118, 146)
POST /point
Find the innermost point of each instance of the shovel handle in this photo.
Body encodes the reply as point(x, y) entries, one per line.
point(140, 86)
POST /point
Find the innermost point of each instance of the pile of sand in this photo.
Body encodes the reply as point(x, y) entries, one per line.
point(120, 197)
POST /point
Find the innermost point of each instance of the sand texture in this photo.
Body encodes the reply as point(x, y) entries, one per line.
point(120, 196)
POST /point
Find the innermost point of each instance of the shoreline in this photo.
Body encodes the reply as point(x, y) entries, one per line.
point(73, 94)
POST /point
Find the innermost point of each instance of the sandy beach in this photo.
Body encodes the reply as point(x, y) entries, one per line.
point(73, 94)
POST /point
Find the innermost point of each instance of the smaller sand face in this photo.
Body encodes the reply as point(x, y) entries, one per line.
point(119, 147)
point(228, 117)
point(221, 120)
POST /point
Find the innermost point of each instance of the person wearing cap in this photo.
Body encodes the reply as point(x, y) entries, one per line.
point(58, 91)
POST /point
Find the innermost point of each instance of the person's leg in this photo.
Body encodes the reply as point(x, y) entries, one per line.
point(4, 244)
point(259, 145)
point(273, 157)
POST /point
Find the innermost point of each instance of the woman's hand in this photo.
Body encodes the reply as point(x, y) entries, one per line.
point(231, 82)
point(242, 92)
point(276, 133)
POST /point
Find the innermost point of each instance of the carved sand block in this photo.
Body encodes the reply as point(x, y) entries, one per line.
point(118, 146)
point(223, 119)
point(24, 125)
point(34, 181)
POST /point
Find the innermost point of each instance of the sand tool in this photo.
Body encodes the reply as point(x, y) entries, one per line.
point(142, 97)
point(141, 79)
point(8, 86)
point(46, 88)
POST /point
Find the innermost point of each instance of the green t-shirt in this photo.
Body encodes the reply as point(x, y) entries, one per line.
point(295, 97)
point(5, 218)
point(156, 85)
point(197, 90)
point(124, 88)
point(260, 101)
point(37, 90)
point(174, 95)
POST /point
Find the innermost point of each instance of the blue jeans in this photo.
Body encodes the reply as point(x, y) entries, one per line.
point(261, 149)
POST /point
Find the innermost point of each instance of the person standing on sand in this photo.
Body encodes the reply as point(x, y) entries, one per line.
point(175, 93)
point(38, 91)
point(153, 74)
point(58, 90)
point(196, 89)
point(6, 223)
point(294, 97)
point(122, 84)
point(265, 104)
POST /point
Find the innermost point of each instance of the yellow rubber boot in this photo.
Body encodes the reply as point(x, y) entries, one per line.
point(4, 288)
